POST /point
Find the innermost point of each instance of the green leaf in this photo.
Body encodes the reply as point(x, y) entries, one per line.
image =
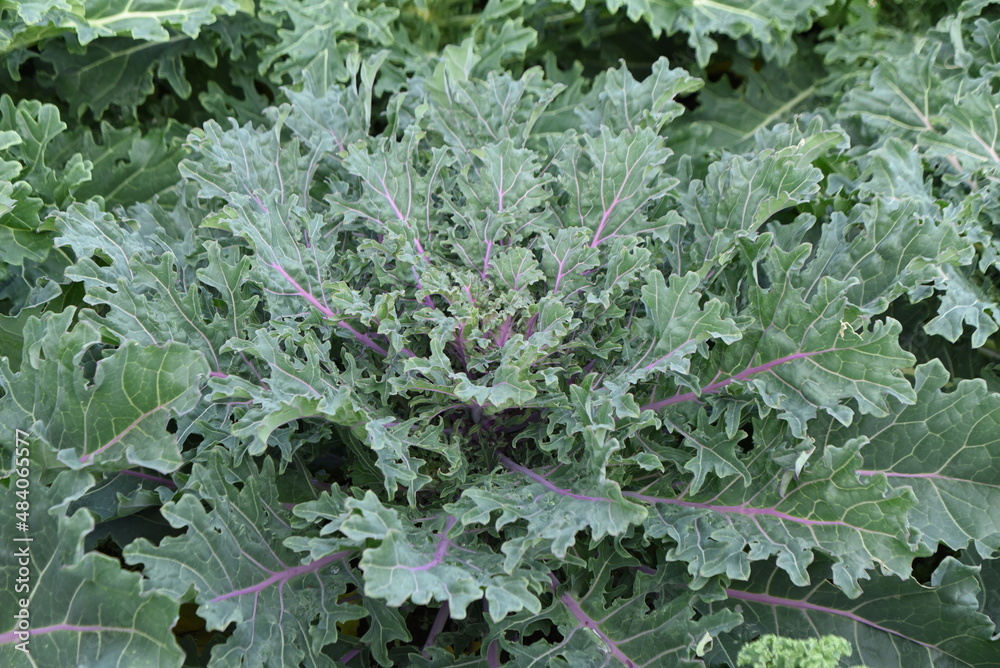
point(677, 324)
point(128, 167)
point(964, 303)
point(412, 564)
point(941, 449)
point(805, 357)
point(599, 619)
point(729, 116)
point(233, 558)
point(501, 198)
point(557, 514)
point(770, 26)
point(295, 388)
point(141, 19)
point(903, 93)
point(942, 627)
point(315, 42)
point(494, 109)
point(618, 102)
point(117, 416)
point(148, 19)
point(726, 526)
point(971, 131)
point(81, 608)
point(613, 181)
point(740, 194)
point(887, 248)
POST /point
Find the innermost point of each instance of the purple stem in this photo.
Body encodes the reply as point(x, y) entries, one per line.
point(493, 655)
point(385, 193)
point(260, 378)
point(503, 335)
point(350, 655)
point(305, 294)
point(145, 476)
point(329, 314)
point(364, 339)
point(486, 260)
point(530, 329)
point(281, 577)
point(726, 510)
point(802, 605)
point(420, 248)
point(442, 548)
point(588, 622)
point(340, 144)
point(513, 466)
point(604, 219)
point(321, 485)
point(259, 202)
point(443, 613)
point(652, 364)
point(735, 510)
point(713, 388)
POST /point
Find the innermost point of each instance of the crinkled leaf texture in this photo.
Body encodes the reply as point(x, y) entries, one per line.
point(416, 352)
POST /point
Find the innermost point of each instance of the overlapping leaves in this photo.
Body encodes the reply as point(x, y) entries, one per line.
point(598, 392)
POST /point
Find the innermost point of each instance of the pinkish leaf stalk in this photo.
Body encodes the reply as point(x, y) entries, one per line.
point(443, 613)
point(713, 388)
point(725, 510)
point(361, 337)
point(594, 625)
point(767, 599)
point(281, 577)
point(154, 478)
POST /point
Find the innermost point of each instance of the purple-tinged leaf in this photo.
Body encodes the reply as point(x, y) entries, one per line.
point(78, 608)
point(612, 182)
point(942, 625)
point(601, 622)
point(945, 450)
point(285, 611)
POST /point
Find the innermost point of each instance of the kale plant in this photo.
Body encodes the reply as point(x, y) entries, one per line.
point(506, 333)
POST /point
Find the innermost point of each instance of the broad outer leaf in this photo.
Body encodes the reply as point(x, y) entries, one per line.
point(945, 449)
point(285, 610)
point(802, 358)
point(725, 527)
point(942, 626)
point(120, 415)
point(83, 608)
point(728, 117)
